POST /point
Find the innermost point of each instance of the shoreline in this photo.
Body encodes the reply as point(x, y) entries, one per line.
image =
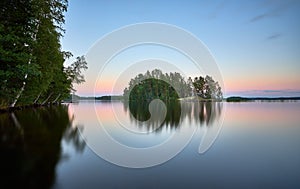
point(187, 99)
point(18, 108)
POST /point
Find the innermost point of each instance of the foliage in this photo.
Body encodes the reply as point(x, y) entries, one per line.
point(31, 59)
point(16, 29)
point(74, 72)
point(207, 88)
point(155, 84)
point(170, 86)
point(151, 88)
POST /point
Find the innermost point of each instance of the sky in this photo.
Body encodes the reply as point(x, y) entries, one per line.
point(255, 44)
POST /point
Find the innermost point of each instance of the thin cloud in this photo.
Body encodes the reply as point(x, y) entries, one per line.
point(259, 17)
point(273, 8)
point(272, 91)
point(274, 36)
point(220, 6)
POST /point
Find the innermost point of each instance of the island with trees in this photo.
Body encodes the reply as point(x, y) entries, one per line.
point(171, 86)
point(172, 89)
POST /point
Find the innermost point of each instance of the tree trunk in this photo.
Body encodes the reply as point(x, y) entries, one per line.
point(26, 75)
point(56, 98)
point(19, 94)
point(37, 98)
point(47, 99)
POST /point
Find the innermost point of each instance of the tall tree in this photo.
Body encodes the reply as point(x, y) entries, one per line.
point(74, 71)
point(30, 52)
point(207, 88)
point(199, 84)
point(49, 20)
point(16, 43)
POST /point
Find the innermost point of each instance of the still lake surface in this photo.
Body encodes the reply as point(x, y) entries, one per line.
point(258, 146)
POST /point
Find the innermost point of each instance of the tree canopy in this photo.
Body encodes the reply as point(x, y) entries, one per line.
point(170, 86)
point(31, 60)
point(207, 88)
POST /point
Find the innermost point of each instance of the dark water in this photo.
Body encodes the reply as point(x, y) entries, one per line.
point(258, 146)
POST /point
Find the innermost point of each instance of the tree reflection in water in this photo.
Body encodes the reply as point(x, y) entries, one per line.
point(203, 113)
point(31, 146)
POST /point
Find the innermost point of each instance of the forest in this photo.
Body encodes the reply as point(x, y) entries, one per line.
point(32, 67)
point(171, 86)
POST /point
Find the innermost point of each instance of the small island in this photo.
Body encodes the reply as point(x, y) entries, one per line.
point(172, 86)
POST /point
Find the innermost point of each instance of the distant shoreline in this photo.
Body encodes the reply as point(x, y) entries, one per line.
point(109, 98)
point(246, 99)
point(228, 99)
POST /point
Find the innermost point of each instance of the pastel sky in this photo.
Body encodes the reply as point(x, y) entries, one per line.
point(256, 44)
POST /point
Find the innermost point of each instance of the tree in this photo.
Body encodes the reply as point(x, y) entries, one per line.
point(174, 80)
point(16, 43)
point(171, 86)
point(31, 69)
point(199, 84)
point(189, 87)
point(207, 88)
point(49, 19)
point(74, 72)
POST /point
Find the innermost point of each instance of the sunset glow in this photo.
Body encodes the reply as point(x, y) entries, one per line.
point(254, 49)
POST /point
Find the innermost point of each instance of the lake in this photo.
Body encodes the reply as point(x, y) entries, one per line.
point(195, 145)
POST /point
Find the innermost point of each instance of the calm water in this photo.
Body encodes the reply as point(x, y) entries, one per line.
point(258, 146)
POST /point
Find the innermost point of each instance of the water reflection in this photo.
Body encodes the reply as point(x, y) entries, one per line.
point(30, 145)
point(206, 113)
point(202, 113)
point(258, 146)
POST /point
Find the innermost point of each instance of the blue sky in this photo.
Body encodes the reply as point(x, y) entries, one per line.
point(256, 44)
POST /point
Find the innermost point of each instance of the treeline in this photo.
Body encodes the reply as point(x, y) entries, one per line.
point(151, 88)
point(168, 86)
point(109, 98)
point(31, 59)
